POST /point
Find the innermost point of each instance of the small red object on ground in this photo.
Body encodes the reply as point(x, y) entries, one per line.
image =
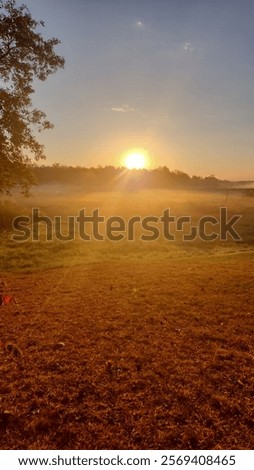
point(6, 299)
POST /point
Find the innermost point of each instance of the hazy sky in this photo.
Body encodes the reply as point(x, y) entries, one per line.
point(174, 77)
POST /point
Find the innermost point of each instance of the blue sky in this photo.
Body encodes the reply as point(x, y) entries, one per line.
point(173, 77)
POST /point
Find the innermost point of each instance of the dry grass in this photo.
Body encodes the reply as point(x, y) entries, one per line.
point(129, 355)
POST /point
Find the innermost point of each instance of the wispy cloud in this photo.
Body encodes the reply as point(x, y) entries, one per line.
point(188, 47)
point(139, 24)
point(122, 109)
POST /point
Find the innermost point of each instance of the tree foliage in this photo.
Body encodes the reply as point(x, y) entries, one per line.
point(24, 56)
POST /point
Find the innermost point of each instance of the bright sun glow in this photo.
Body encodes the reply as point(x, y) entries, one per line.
point(135, 160)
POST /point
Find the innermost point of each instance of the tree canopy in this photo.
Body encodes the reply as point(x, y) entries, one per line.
point(24, 56)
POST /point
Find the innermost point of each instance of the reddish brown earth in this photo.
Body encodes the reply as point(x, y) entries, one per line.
point(129, 356)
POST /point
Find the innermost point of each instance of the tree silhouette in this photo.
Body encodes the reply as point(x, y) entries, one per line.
point(24, 56)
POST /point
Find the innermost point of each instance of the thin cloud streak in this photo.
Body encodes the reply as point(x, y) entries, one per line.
point(122, 109)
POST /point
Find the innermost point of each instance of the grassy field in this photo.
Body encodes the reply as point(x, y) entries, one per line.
point(29, 255)
point(128, 345)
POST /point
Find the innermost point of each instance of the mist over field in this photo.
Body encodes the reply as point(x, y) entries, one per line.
point(53, 202)
point(163, 355)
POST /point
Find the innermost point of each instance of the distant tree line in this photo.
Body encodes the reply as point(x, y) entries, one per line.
point(112, 178)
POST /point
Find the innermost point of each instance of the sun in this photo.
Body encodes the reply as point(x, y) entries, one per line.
point(135, 160)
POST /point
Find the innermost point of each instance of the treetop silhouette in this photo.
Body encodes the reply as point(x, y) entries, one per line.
point(24, 56)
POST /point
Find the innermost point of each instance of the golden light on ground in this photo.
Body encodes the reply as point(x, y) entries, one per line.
point(136, 160)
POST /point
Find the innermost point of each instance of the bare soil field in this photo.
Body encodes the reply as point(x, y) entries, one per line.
point(129, 355)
